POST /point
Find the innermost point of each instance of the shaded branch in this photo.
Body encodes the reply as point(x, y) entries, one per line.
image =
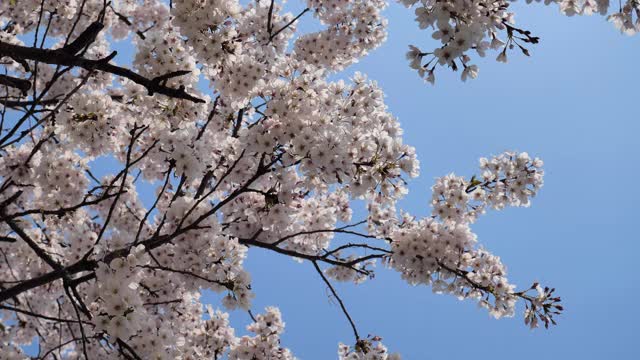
point(44, 317)
point(64, 58)
point(17, 83)
point(335, 294)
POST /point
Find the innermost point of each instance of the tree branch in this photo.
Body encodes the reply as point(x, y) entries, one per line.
point(64, 58)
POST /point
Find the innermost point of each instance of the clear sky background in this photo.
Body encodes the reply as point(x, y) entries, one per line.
point(574, 103)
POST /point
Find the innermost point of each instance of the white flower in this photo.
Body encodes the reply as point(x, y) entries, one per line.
point(502, 57)
point(470, 71)
point(414, 55)
point(431, 77)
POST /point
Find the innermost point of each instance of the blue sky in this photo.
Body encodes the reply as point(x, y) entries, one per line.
point(573, 103)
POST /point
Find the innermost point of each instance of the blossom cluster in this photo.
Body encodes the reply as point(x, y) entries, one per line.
point(353, 29)
point(509, 179)
point(477, 26)
point(266, 343)
point(366, 349)
point(442, 250)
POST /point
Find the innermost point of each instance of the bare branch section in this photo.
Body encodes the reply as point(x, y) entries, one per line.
point(20, 84)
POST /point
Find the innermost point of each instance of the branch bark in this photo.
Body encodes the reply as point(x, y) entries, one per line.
point(67, 57)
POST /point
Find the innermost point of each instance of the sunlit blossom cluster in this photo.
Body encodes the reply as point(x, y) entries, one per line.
point(353, 29)
point(366, 349)
point(476, 27)
point(509, 179)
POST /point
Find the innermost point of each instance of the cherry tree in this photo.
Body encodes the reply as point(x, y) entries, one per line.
point(272, 155)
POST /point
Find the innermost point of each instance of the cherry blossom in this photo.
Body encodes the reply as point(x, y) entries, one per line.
point(465, 28)
point(232, 129)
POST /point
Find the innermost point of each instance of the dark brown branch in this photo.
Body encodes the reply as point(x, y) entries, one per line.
point(17, 83)
point(153, 206)
point(238, 123)
point(7, 239)
point(319, 231)
point(61, 211)
point(156, 303)
point(61, 57)
point(82, 333)
point(86, 38)
point(272, 36)
point(295, 254)
point(36, 101)
point(33, 314)
point(134, 137)
point(209, 118)
point(61, 345)
point(46, 279)
point(129, 349)
point(350, 246)
point(128, 22)
point(32, 244)
point(203, 184)
point(335, 294)
point(270, 18)
point(228, 285)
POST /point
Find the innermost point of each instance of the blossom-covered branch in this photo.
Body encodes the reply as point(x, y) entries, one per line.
point(127, 191)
